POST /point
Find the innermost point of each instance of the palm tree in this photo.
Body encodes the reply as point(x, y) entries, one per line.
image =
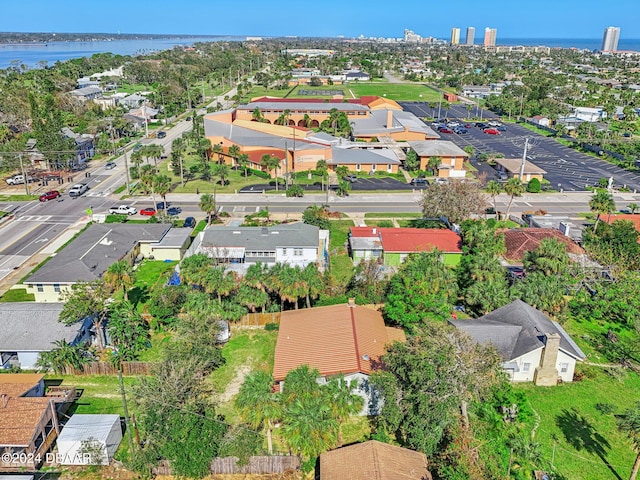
point(217, 149)
point(629, 423)
point(147, 172)
point(62, 356)
point(251, 297)
point(119, 275)
point(194, 268)
point(633, 207)
point(433, 164)
point(313, 283)
point(154, 151)
point(494, 188)
point(601, 203)
point(343, 402)
point(162, 186)
point(257, 276)
point(207, 205)
point(550, 258)
point(271, 163)
point(322, 168)
point(515, 188)
point(470, 150)
point(258, 405)
point(243, 161)
point(234, 151)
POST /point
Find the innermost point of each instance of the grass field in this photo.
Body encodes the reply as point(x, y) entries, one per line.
point(17, 295)
point(411, 92)
point(588, 445)
point(341, 264)
point(100, 394)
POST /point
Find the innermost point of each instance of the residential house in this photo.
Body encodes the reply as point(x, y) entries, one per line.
point(85, 147)
point(519, 241)
point(532, 346)
point(627, 217)
point(87, 93)
point(588, 114)
point(89, 255)
point(451, 157)
point(356, 76)
point(393, 245)
point(513, 168)
point(296, 244)
point(540, 120)
point(28, 421)
point(339, 339)
point(28, 328)
point(132, 101)
point(373, 460)
point(476, 91)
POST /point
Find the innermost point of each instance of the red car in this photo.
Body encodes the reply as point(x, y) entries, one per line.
point(445, 130)
point(491, 131)
point(148, 211)
point(53, 194)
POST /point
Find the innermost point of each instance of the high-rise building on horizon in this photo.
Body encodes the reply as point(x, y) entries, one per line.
point(411, 37)
point(610, 39)
point(490, 37)
point(455, 36)
point(471, 36)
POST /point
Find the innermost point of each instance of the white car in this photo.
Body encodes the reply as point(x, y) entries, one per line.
point(78, 190)
point(123, 210)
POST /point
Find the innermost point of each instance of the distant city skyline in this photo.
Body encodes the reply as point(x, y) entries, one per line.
point(543, 19)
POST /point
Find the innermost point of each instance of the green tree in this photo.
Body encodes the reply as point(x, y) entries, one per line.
point(84, 300)
point(424, 288)
point(128, 331)
point(514, 188)
point(534, 186)
point(258, 405)
point(194, 267)
point(208, 206)
point(63, 356)
point(271, 163)
point(344, 402)
point(433, 164)
point(615, 244)
point(454, 200)
point(322, 168)
point(162, 186)
point(234, 152)
point(243, 162)
point(629, 423)
point(313, 283)
point(542, 292)
point(493, 188)
point(412, 162)
point(601, 203)
point(550, 258)
point(317, 215)
point(633, 207)
point(119, 276)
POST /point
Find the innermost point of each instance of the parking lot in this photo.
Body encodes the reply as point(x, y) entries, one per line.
point(567, 169)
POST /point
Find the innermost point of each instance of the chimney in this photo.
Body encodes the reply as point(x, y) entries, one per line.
point(546, 373)
point(5, 400)
point(389, 118)
point(351, 303)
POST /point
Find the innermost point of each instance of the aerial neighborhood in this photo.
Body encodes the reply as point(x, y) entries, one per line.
point(331, 258)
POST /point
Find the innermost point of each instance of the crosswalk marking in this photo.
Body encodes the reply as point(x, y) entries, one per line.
point(33, 218)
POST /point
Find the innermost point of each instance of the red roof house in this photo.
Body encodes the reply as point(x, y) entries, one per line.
point(522, 240)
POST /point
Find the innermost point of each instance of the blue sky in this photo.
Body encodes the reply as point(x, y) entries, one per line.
point(512, 18)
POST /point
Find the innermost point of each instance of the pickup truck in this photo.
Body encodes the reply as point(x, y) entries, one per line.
point(19, 180)
point(123, 210)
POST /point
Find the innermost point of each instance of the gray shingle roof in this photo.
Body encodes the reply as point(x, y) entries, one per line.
point(437, 148)
point(343, 156)
point(30, 326)
point(517, 329)
point(266, 238)
point(88, 256)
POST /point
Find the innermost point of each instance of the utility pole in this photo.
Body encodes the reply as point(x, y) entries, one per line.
point(126, 171)
point(24, 175)
point(127, 424)
point(524, 158)
point(146, 124)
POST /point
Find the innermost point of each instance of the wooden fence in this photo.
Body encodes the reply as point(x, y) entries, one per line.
point(106, 368)
point(229, 465)
point(258, 319)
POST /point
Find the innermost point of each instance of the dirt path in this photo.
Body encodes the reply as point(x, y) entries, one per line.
point(234, 385)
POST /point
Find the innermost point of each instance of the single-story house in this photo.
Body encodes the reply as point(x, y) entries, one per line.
point(373, 460)
point(295, 244)
point(89, 439)
point(395, 244)
point(172, 246)
point(30, 328)
point(451, 157)
point(87, 93)
point(339, 339)
point(519, 241)
point(627, 217)
point(360, 160)
point(513, 166)
point(540, 120)
point(532, 346)
point(476, 91)
point(89, 255)
point(28, 421)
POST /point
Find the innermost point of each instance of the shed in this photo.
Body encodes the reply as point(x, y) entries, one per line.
point(89, 439)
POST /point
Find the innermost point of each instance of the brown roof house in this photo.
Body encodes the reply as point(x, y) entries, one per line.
point(373, 460)
point(522, 240)
point(28, 421)
point(339, 339)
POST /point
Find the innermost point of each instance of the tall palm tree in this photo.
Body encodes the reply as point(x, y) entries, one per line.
point(322, 168)
point(243, 161)
point(343, 402)
point(162, 186)
point(433, 164)
point(313, 283)
point(629, 423)
point(493, 188)
point(252, 298)
point(550, 258)
point(207, 205)
point(217, 150)
point(258, 405)
point(62, 356)
point(147, 172)
point(257, 276)
point(271, 163)
point(601, 203)
point(234, 151)
point(118, 276)
point(154, 151)
point(514, 187)
point(193, 269)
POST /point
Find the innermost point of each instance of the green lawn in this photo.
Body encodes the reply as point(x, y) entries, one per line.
point(248, 349)
point(147, 275)
point(585, 438)
point(392, 215)
point(260, 91)
point(341, 265)
point(380, 223)
point(396, 91)
point(100, 394)
point(17, 295)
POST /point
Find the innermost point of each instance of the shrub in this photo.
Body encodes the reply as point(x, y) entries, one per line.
point(116, 219)
point(270, 327)
point(258, 173)
point(385, 224)
point(534, 186)
point(295, 191)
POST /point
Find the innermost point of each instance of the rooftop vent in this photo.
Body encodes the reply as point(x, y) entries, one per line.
point(365, 357)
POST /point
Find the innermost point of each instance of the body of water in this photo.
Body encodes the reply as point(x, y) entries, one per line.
point(31, 55)
point(580, 43)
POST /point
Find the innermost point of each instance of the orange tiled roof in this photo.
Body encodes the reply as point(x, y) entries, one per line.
point(633, 218)
point(521, 240)
point(334, 339)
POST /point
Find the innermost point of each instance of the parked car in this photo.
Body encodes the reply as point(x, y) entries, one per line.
point(453, 124)
point(501, 128)
point(123, 210)
point(188, 119)
point(53, 194)
point(137, 147)
point(491, 131)
point(502, 175)
point(110, 165)
point(77, 167)
point(460, 130)
point(482, 125)
point(78, 190)
point(148, 211)
point(350, 177)
point(189, 222)
point(441, 181)
point(445, 130)
point(419, 182)
point(162, 134)
point(174, 211)
point(19, 179)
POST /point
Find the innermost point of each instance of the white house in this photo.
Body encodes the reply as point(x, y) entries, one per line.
point(89, 439)
point(295, 244)
point(588, 114)
point(534, 348)
point(342, 339)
